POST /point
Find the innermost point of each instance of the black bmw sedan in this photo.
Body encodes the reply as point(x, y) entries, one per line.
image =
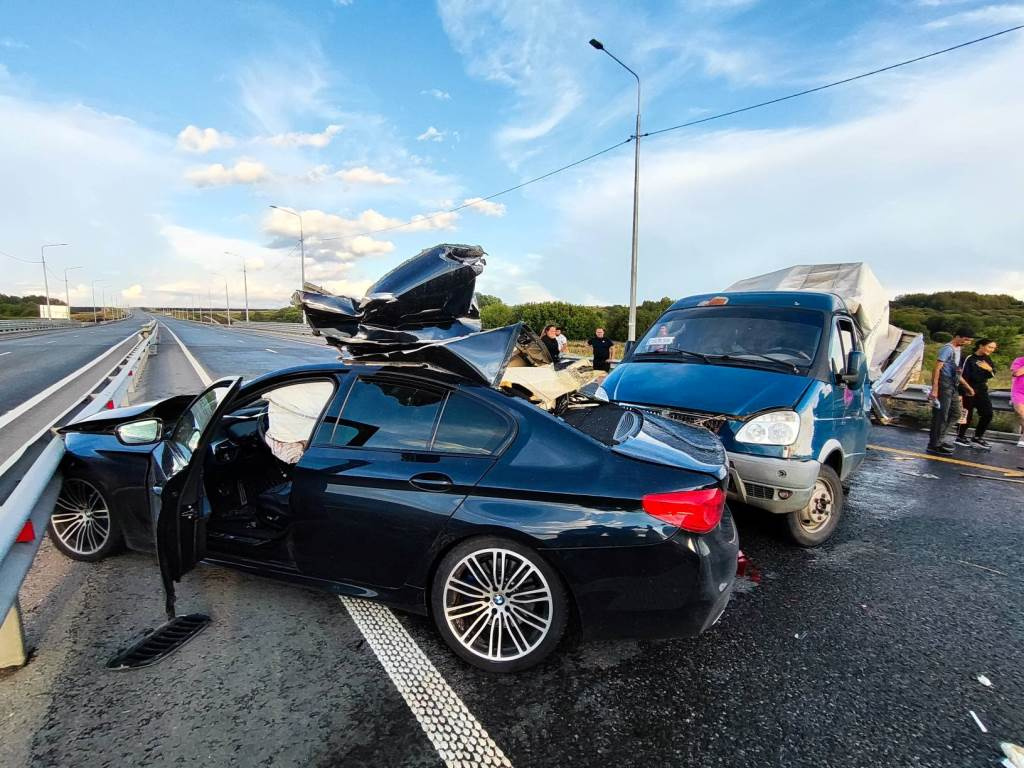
point(424, 489)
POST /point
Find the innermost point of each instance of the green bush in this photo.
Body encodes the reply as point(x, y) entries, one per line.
point(942, 336)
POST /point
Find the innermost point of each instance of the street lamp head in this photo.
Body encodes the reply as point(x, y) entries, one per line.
point(597, 44)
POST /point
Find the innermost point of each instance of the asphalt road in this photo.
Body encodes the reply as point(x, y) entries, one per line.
point(864, 652)
point(229, 352)
point(30, 364)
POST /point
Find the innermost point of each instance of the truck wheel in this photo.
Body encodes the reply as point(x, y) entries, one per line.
point(815, 523)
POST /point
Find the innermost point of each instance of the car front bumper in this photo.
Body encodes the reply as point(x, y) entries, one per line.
point(677, 588)
point(763, 481)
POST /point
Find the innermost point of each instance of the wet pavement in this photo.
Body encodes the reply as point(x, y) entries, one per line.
point(864, 652)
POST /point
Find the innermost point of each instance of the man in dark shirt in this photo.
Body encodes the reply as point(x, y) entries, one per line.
point(602, 350)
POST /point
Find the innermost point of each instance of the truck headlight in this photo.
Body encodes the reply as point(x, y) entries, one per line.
point(774, 428)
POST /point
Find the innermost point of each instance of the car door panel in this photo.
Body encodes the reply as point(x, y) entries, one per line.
point(178, 505)
point(368, 516)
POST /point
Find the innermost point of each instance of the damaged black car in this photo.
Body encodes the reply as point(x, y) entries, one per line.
point(438, 468)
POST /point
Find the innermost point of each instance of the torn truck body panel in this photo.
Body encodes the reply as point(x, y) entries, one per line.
point(427, 298)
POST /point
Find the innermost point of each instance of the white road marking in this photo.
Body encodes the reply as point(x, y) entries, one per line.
point(981, 725)
point(18, 410)
point(4, 353)
point(270, 350)
point(200, 371)
point(458, 737)
point(77, 404)
point(51, 342)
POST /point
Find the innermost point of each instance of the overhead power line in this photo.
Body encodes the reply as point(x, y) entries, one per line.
point(844, 81)
point(23, 261)
point(691, 123)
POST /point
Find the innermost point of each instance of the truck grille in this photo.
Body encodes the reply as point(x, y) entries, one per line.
point(710, 422)
point(757, 491)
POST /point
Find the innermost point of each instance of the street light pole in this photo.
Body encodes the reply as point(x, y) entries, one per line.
point(636, 193)
point(67, 293)
point(94, 300)
point(46, 282)
point(245, 282)
point(302, 251)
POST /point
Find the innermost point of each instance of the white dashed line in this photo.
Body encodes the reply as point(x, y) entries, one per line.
point(271, 350)
point(51, 342)
point(4, 353)
point(977, 720)
point(457, 736)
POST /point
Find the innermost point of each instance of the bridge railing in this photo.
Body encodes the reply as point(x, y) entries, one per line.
point(25, 513)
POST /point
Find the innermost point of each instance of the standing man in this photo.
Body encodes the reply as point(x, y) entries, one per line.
point(563, 342)
point(602, 350)
point(944, 396)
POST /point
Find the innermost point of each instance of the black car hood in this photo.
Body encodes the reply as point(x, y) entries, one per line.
point(424, 311)
point(110, 418)
point(427, 298)
point(483, 356)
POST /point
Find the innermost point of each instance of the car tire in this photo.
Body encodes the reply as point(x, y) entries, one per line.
point(498, 604)
point(83, 525)
point(815, 523)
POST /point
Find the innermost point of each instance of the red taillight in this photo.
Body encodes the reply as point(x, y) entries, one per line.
point(695, 511)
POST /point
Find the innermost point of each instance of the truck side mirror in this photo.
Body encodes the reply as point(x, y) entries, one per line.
point(854, 363)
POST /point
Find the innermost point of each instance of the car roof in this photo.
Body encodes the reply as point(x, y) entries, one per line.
point(414, 370)
point(826, 302)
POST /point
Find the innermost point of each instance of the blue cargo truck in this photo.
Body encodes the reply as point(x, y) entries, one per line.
point(781, 376)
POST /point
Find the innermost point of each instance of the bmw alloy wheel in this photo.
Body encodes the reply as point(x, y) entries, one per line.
point(498, 604)
point(81, 518)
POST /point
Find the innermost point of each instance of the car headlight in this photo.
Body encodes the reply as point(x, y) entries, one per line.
point(774, 428)
point(601, 394)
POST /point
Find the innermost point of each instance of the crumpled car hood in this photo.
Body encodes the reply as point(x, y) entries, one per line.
point(429, 297)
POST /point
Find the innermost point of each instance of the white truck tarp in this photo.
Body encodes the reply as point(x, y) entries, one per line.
point(865, 297)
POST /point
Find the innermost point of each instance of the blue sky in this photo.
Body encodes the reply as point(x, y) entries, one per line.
point(153, 137)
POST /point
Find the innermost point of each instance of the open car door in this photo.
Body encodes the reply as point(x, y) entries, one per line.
point(178, 501)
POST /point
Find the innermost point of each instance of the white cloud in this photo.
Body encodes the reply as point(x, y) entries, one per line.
point(486, 207)
point(926, 190)
point(217, 175)
point(202, 140)
point(296, 139)
point(365, 175)
point(989, 14)
point(11, 44)
point(437, 93)
point(133, 292)
point(431, 134)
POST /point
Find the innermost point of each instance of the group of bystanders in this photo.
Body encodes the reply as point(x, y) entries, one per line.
point(960, 389)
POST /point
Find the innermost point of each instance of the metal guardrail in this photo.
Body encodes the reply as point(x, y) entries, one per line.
point(918, 393)
point(26, 512)
point(297, 329)
point(32, 324)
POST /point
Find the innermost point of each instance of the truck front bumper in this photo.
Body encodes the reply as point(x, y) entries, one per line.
point(777, 485)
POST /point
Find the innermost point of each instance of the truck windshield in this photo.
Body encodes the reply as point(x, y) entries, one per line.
point(781, 338)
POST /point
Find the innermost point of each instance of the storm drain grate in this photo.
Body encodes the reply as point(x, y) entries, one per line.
point(161, 642)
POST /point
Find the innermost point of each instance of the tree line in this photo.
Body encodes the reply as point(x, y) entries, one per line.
point(23, 306)
point(577, 321)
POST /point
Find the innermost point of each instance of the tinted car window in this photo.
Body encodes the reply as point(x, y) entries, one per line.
point(469, 427)
point(383, 414)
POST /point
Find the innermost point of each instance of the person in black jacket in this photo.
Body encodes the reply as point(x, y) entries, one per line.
point(602, 350)
point(978, 369)
point(550, 341)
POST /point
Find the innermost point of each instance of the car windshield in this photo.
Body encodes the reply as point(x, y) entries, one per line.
point(773, 337)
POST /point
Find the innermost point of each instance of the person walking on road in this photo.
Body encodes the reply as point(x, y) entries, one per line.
point(944, 396)
point(550, 341)
point(978, 368)
point(1017, 394)
point(602, 347)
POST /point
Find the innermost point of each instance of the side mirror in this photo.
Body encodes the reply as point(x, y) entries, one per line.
point(630, 346)
point(853, 377)
point(141, 432)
